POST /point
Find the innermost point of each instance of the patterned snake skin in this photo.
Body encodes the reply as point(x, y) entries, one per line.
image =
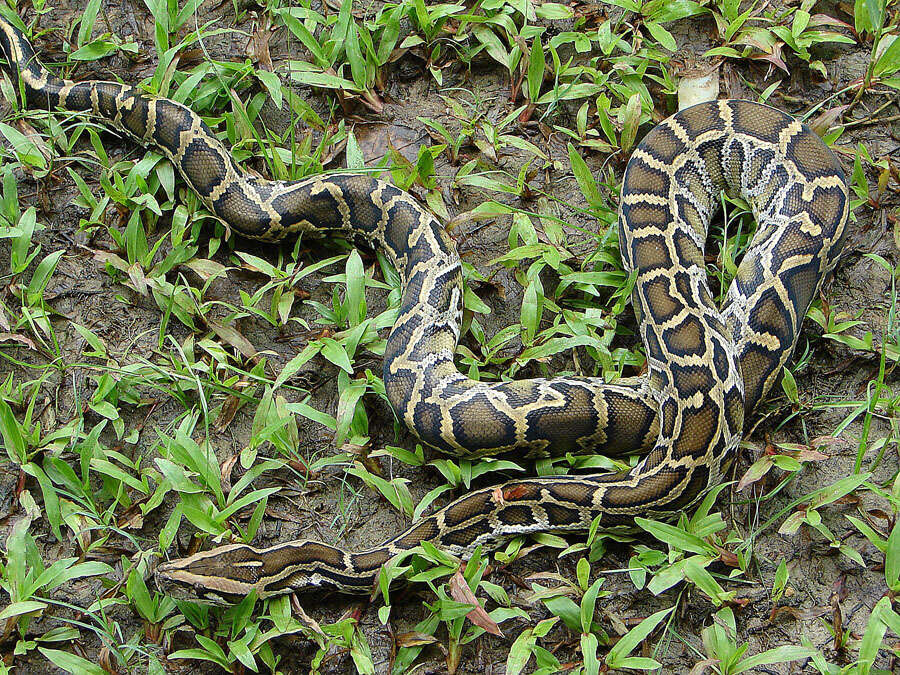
point(707, 367)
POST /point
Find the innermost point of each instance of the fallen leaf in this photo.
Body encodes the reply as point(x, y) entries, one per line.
point(756, 472)
point(82, 529)
point(300, 467)
point(112, 260)
point(312, 624)
point(15, 337)
point(728, 557)
point(825, 20)
point(880, 513)
point(703, 666)
point(373, 466)
point(838, 593)
point(826, 119)
point(137, 278)
point(820, 441)
point(514, 493)
point(415, 639)
point(617, 623)
point(132, 519)
point(460, 591)
point(234, 338)
point(497, 496)
point(36, 138)
point(226, 415)
point(259, 46)
point(225, 471)
point(567, 589)
point(798, 614)
point(206, 269)
point(355, 449)
point(774, 57)
point(287, 517)
point(106, 661)
point(810, 455)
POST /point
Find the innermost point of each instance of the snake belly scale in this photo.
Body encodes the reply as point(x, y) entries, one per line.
point(706, 367)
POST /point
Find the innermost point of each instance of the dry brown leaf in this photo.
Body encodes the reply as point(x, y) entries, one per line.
point(258, 46)
point(514, 493)
point(233, 337)
point(569, 588)
point(415, 639)
point(703, 666)
point(838, 593)
point(226, 415)
point(82, 529)
point(107, 258)
point(460, 591)
point(206, 269)
point(756, 472)
point(728, 557)
point(773, 57)
point(825, 20)
point(300, 467)
point(137, 278)
point(355, 449)
point(618, 625)
point(225, 471)
point(106, 661)
point(15, 337)
point(287, 516)
point(373, 466)
point(304, 618)
point(880, 513)
point(810, 455)
point(820, 441)
point(826, 119)
point(132, 519)
point(798, 614)
point(497, 496)
point(36, 138)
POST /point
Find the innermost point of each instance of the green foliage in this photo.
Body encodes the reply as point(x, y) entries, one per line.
point(721, 647)
point(125, 441)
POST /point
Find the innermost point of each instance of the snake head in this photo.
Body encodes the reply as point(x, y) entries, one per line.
point(222, 576)
point(227, 574)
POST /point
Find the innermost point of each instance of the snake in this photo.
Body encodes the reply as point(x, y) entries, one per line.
point(707, 367)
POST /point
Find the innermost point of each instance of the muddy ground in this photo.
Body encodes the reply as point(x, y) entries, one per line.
point(328, 508)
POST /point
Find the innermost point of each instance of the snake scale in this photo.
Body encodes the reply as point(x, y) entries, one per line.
point(706, 368)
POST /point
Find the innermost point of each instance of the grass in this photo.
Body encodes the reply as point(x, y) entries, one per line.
point(164, 386)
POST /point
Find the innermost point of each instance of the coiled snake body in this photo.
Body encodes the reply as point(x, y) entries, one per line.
point(706, 368)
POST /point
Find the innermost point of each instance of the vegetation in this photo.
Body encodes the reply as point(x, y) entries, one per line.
point(165, 386)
